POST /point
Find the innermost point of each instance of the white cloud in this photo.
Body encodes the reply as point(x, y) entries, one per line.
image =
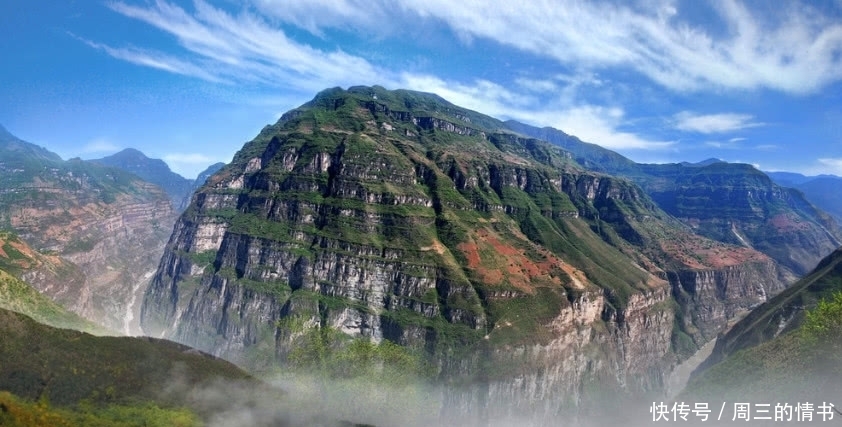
point(189, 164)
point(601, 125)
point(188, 158)
point(828, 166)
point(157, 60)
point(100, 145)
point(714, 123)
point(247, 47)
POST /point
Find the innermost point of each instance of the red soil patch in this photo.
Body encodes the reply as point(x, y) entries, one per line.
point(509, 263)
point(704, 254)
point(784, 223)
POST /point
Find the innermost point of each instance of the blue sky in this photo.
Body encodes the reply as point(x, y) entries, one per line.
point(657, 80)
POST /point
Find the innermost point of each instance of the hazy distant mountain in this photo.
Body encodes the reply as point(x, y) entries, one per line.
point(822, 190)
point(155, 171)
point(109, 223)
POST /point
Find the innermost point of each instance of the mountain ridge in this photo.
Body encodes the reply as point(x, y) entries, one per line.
point(151, 170)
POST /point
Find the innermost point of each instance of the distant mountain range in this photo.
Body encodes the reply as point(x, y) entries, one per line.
point(108, 224)
point(821, 190)
point(158, 172)
point(729, 202)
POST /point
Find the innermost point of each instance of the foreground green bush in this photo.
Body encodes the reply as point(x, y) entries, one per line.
point(16, 412)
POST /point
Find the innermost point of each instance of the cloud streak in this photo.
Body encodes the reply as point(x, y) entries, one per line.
point(714, 123)
point(796, 51)
point(243, 48)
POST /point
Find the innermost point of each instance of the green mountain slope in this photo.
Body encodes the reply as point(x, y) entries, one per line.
point(18, 260)
point(731, 203)
point(18, 296)
point(66, 367)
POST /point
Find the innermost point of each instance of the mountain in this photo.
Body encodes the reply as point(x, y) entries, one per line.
point(151, 170)
point(107, 222)
point(729, 202)
point(823, 190)
point(788, 348)
point(399, 217)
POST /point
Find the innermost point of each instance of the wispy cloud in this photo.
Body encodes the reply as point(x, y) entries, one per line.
point(157, 60)
point(597, 124)
point(796, 51)
point(100, 145)
point(714, 123)
point(251, 47)
point(828, 166)
point(220, 46)
point(189, 164)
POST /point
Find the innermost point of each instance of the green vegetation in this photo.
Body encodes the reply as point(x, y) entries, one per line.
point(803, 364)
point(66, 367)
point(17, 412)
point(18, 296)
point(823, 324)
point(330, 354)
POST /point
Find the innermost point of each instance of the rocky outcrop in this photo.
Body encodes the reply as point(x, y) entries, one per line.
point(711, 298)
point(512, 268)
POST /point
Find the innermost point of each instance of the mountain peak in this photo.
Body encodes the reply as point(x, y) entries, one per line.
point(706, 162)
point(131, 153)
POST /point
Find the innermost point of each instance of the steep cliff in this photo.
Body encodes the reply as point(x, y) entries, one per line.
point(820, 190)
point(396, 215)
point(107, 222)
point(783, 313)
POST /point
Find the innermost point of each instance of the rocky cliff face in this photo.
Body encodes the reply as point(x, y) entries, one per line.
point(109, 224)
point(399, 216)
point(781, 314)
